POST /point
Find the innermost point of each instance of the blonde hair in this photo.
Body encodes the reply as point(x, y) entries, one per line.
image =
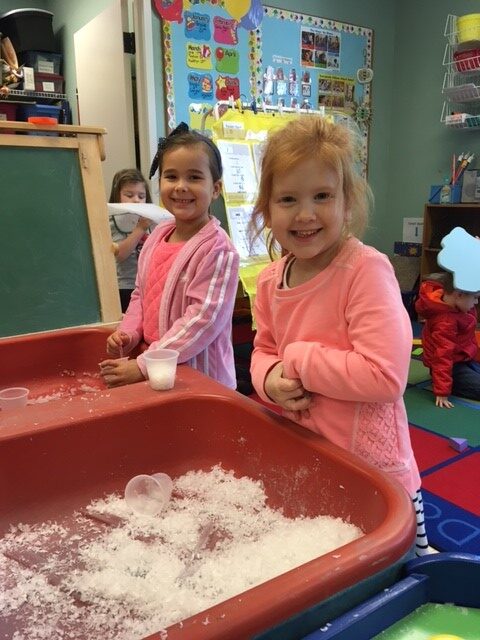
point(302, 138)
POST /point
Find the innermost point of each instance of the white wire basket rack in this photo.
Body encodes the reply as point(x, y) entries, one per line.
point(459, 38)
point(451, 31)
point(462, 61)
point(455, 119)
point(457, 90)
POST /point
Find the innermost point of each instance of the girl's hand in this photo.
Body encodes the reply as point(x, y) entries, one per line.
point(289, 393)
point(143, 223)
point(115, 343)
point(119, 372)
point(443, 401)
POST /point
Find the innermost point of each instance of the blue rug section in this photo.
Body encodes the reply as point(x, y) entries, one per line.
point(449, 527)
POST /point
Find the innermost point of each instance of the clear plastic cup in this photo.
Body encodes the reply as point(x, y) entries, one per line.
point(13, 398)
point(148, 495)
point(161, 368)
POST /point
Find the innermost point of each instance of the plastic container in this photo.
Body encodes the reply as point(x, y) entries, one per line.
point(466, 61)
point(446, 192)
point(468, 27)
point(161, 368)
point(13, 398)
point(84, 450)
point(148, 495)
point(443, 578)
point(455, 193)
point(29, 29)
point(48, 83)
point(42, 61)
point(28, 111)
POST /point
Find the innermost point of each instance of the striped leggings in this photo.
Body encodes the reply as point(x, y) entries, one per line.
point(421, 543)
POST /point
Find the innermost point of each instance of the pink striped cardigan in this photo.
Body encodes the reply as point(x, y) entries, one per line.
point(195, 313)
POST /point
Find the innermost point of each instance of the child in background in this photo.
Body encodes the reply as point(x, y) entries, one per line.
point(128, 185)
point(333, 338)
point(448, 338)
point(187, 271)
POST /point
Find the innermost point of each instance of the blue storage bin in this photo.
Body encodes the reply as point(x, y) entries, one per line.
point(443, 578)
point(456, 194)
point(321, 613)
point(26, 111)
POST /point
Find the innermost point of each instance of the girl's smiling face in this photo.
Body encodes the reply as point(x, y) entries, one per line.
point(186, 184)
point(307, 212)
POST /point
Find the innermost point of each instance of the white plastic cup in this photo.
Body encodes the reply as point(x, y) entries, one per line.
point(161, 368)
point(13, 398)
point(148, 495)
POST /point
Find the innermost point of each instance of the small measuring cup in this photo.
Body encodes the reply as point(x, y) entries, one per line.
point(148, 495)
point(13, 398)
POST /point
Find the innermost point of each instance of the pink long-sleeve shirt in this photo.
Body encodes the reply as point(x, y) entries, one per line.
point(346, 335)
point(196, 306)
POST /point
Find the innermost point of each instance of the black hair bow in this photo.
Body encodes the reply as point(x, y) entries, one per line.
point(162, 143)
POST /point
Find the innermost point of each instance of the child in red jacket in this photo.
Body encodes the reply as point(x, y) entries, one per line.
point(448, 337)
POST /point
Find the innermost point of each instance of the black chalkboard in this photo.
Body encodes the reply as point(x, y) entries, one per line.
point(47, 272)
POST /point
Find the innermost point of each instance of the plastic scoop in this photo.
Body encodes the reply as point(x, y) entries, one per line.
point(13, 398)
point(148, 495)
point(202, 541)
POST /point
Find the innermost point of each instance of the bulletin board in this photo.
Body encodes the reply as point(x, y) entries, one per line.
point(316, 62)
point(207, 58)
point(292, 59)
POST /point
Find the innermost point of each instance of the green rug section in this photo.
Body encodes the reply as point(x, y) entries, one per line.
point(459, 422)
point(417, 372)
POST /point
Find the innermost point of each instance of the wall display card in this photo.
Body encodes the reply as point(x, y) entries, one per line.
point(238, 219)
point(239, 179)
point(412, 230)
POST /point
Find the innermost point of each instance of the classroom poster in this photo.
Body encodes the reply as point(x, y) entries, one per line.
point(290, 60)
point(206, 59)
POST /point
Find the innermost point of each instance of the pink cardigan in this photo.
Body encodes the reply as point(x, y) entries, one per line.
point(346, 335)
point(195, 314)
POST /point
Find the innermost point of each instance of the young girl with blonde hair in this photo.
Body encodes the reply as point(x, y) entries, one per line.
point(333, 339)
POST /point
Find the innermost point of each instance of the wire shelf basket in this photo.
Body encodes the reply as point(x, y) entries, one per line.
point(461, 120)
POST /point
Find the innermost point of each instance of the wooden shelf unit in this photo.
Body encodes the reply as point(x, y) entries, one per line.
point(438, 221)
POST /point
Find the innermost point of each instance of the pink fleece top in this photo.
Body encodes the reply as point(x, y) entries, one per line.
point(194, 313)
point(347, 336)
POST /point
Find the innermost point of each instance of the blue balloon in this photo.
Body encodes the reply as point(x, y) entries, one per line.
point(253, 17)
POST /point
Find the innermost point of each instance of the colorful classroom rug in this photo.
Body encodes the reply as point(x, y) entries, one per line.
point(450, 478)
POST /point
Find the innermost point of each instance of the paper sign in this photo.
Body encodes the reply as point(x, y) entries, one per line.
point(226, 60)
point(199, 56)
point(412, 230)
point(197, 26)
point(225, 31)
point(238, 219)
point(239, 178)
point(200, 86)
point(226, 87)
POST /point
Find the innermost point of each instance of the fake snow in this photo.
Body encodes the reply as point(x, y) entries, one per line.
point(112, 574)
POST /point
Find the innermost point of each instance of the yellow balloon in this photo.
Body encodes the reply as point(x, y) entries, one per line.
point(444, 636)
point(237, 8)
